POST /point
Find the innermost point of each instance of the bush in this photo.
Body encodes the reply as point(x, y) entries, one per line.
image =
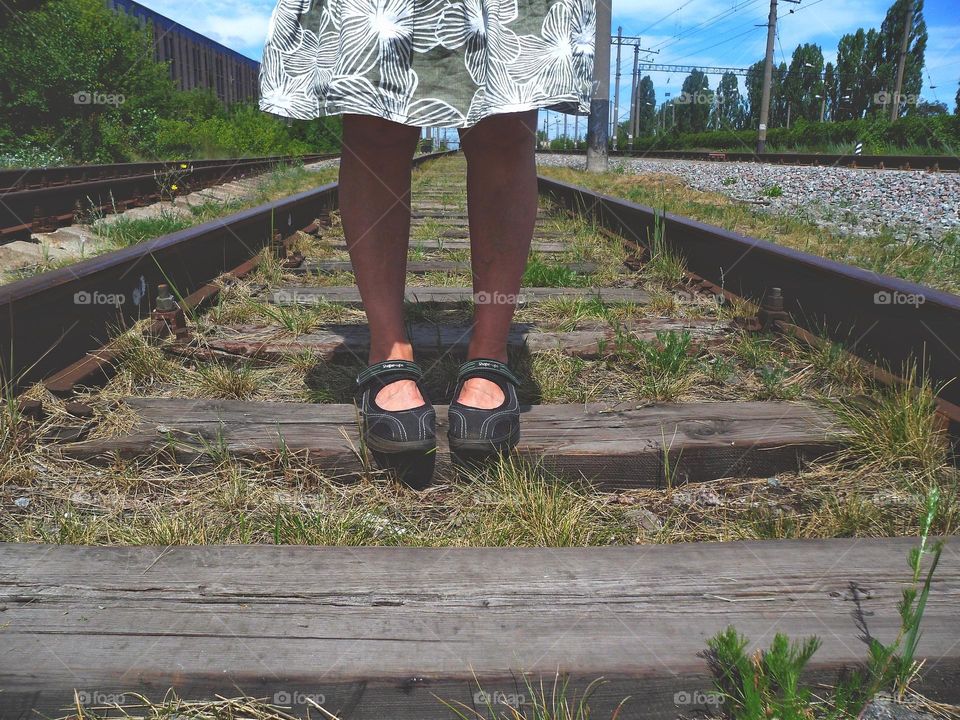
point(911, 134)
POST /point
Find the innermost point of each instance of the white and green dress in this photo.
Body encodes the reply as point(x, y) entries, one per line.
point(429, 63)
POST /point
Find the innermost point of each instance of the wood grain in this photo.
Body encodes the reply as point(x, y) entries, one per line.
point(611, 446)
point(350, 341)
point(382, 632)
point(350, 295)
point(416, 267)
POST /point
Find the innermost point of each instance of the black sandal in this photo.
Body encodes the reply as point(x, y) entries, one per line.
point(392, 432)
point(475, 431)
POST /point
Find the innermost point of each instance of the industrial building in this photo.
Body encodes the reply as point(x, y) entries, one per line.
point(195, 60)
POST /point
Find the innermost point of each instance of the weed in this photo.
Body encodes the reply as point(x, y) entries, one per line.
point(767, 683)
point(665, 264)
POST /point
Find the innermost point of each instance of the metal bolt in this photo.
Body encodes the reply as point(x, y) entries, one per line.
point(773, 300)
point(165, 301)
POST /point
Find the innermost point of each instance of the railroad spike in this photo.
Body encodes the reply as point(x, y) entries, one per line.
point(771, 308)
point(169, 313)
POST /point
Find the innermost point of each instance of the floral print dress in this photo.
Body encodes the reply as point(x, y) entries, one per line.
point(429, 63)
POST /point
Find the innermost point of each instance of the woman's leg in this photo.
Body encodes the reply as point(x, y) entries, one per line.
point(502, 205)
point(375, 210)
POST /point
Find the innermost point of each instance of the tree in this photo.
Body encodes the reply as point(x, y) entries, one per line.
point(830, 91)
point(693, 105)
point(804, 82)
point(728, 110)
point(86, 85)
point(856, 83)
point(956, 109)
point(778, 100)
point(646, 106)
point(929, 109)
point(754, 86)
point(886, 56)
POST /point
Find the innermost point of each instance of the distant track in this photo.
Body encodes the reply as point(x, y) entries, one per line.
point(931, 163)
point(42, 199)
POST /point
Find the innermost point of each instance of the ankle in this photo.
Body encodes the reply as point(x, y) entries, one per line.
point(392, 351)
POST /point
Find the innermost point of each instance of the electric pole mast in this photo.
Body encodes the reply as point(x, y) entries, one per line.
point(616, 94)
point(634, 121)
point(901, 61)
point(598, 122)
point(767, 78)
point(768, 75)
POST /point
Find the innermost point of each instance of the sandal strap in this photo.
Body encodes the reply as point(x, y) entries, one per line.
point(479, 366)
point(399, 369)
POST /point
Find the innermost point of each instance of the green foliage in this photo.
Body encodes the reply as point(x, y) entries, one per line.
point(911, 134)
point(90, 92)
point(767, 684)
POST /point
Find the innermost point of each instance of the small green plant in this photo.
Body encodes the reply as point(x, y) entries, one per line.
point(718, 369)
point(727, 181)
point(774, 384)
point(894, 666)
point(171, 179)
point(531, 702)
point(297, 320)
point(543, 274)
point(664, 364)
point(665, 264)
point(767, 684)
point(772, 191)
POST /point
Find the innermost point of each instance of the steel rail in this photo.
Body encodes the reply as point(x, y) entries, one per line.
point(52, 320)
point(884, 320)
point(62, 193)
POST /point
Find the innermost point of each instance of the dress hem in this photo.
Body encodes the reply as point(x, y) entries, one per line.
point(547, 104)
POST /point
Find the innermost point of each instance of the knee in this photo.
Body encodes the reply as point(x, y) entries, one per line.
point(367, 134)
point(508, 134)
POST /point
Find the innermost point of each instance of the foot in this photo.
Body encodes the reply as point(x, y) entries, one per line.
point(400, 395)
point(481, 393)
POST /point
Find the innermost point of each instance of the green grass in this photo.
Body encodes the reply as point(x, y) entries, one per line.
point(933, 263)
point(768, 684)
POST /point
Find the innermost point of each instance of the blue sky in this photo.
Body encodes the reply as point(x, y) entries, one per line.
point(704, 32)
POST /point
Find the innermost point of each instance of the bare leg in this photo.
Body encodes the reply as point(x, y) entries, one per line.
point(375, 209)
point(502, 205)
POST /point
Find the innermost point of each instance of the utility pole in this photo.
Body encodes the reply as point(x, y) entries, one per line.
point(616, 92)
point(768, 75)
point(598, 122)
point(634, 89)
point(767, 78)
point(901, 62)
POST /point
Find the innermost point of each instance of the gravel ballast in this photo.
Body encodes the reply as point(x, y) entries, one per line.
point(912, 204)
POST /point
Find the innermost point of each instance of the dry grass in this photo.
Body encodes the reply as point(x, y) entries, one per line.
point(933, 264)
point(874, 489)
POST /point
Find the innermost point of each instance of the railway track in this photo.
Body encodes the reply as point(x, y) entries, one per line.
point(640, 377)
point(35, 200)
point(930, 163)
